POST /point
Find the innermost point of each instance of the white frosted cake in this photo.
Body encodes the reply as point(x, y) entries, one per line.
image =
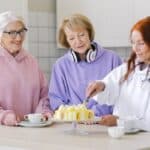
point(73, 113)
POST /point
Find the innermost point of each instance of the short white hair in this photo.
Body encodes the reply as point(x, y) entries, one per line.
point(6, 18)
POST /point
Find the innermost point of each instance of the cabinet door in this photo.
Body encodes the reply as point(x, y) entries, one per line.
point(141, 9)
point(112, 19)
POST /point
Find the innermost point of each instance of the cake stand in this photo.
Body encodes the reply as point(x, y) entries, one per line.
point(74, 130)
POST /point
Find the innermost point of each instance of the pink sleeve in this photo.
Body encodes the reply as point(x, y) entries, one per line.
point(3, 114)
point(44, 105)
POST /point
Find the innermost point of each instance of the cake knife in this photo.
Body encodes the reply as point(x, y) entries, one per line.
point(86, 100)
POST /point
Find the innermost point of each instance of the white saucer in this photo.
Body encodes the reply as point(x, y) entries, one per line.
point(132, 131)
point(29, 124)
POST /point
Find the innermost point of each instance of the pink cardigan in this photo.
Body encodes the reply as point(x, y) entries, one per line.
point(23, 87)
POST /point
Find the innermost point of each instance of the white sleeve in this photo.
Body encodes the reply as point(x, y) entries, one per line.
point(112, 86)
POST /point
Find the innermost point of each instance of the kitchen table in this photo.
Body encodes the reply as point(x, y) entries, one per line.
point(53, 137)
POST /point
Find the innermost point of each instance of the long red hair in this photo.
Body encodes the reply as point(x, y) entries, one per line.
point(143, 26)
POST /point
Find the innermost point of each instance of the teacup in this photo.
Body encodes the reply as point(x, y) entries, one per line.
point(116, 132)
point(35, 118)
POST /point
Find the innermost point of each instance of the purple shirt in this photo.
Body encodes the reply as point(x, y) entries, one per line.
point(70, 79)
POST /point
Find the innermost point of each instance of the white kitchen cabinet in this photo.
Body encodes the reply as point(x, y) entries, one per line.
point(112, 19)
point(141, 9)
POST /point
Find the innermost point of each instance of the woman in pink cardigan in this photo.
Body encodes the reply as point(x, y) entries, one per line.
point(23, 87)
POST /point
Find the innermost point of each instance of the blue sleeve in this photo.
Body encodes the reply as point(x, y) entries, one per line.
point(99, 110)
point(104, 109)
point(117, 61)
point(57, 92)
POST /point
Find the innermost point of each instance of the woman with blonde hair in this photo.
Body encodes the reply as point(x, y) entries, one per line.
point(85, 61)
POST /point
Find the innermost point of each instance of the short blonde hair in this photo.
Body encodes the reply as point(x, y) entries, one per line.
point(73, 22)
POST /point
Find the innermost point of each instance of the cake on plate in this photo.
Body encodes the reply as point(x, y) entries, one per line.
point(73, 113)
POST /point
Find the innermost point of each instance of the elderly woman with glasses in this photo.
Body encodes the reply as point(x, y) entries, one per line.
point(23, 87)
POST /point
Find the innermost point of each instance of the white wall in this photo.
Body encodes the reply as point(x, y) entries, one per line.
point(19, 7)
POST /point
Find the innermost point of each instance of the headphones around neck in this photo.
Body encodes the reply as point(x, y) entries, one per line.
point(90, 55)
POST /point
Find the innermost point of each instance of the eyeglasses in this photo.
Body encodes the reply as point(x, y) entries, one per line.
point(138, 44)
point(13, 34)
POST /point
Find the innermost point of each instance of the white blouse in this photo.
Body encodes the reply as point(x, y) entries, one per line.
point(131, 99)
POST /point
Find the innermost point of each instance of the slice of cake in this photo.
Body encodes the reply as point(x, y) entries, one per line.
point(73, 113)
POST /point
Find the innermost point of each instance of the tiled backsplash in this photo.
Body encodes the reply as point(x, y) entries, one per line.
point(42, 41)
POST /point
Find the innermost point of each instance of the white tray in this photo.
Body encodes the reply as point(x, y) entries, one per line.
point(29, 124)
point(132, 131)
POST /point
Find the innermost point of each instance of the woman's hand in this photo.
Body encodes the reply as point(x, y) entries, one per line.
point(94, 88)
point(10, 119)
point(48, 115)
point(108, 120)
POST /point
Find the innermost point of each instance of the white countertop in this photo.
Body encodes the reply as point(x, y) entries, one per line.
point(53, 137)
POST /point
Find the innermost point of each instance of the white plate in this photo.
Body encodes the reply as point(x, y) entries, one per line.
point(95, 120)
point(132, 131)
point(29, 124)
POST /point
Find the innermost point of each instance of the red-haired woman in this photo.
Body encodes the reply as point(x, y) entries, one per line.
point(128, 86)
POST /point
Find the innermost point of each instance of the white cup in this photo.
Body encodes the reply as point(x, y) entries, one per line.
point(116, 132)
point(35, 118)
